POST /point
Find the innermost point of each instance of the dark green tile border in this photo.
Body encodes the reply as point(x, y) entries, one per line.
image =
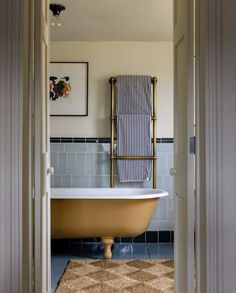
point(147, 237)
point(96, 140)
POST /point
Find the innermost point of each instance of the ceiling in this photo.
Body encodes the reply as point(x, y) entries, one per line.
point(110, 20)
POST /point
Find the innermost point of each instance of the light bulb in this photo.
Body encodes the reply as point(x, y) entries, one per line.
point(56, 23)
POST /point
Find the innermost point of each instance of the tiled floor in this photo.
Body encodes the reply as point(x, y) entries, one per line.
point(60, 257)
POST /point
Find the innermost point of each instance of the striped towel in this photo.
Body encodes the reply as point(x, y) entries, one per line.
point(133, 109)
point(133, 94)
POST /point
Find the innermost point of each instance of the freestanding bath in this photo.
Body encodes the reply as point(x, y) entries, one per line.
point(102, 212)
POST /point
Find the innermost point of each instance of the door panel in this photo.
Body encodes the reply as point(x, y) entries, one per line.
point(42, 178)
point(183, 160)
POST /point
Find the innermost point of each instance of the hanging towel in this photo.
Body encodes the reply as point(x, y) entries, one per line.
point(133, 109)
point(134, 140)
point(133, 94)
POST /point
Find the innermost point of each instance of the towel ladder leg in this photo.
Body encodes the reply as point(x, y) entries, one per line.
point(154, 179)
point(112, 130)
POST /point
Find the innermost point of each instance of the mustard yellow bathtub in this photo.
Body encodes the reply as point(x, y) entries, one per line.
point(102, 212)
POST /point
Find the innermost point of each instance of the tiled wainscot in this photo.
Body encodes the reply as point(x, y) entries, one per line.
point(85, 162)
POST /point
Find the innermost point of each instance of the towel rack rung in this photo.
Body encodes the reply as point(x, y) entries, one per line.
point(113, 79)
point(133, 158)
point(152, 118)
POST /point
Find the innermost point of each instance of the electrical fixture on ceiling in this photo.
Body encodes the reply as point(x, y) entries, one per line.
point(56, 11)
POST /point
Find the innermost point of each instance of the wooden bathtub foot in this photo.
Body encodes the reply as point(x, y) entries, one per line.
point(107, 243)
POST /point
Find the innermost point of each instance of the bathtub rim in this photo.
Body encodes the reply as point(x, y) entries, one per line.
point(110, 193)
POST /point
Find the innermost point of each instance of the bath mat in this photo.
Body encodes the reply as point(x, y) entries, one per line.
point(118, 276)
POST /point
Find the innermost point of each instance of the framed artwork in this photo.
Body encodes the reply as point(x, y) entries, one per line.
point(68, 88)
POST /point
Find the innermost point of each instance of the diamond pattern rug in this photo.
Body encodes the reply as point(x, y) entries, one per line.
point(118, 276)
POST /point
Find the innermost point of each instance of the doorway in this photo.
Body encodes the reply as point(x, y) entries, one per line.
point(64, 125)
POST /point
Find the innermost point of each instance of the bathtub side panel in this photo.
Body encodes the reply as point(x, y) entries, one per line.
point(73, 218)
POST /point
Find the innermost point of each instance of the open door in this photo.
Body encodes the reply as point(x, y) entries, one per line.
point(41, 149)
point(183, 160)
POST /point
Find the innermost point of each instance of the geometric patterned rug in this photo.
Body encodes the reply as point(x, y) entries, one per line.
point(118, 276)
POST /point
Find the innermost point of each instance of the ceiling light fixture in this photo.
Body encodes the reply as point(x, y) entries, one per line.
point(56, 11)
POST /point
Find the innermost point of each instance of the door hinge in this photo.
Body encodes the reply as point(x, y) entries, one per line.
point(192, 145)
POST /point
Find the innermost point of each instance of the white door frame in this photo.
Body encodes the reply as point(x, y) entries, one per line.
point(12, 99)
point(216, 102)
point(41, 209)
point(183, 131)
point(200, 194)
point(28, 277)
point(217, 110)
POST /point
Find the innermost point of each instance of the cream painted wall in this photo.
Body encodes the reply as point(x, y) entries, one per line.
point(113, 58)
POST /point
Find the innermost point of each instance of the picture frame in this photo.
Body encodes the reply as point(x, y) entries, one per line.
point(68, 89)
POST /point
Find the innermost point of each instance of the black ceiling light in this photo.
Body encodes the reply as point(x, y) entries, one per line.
point(56, 11)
